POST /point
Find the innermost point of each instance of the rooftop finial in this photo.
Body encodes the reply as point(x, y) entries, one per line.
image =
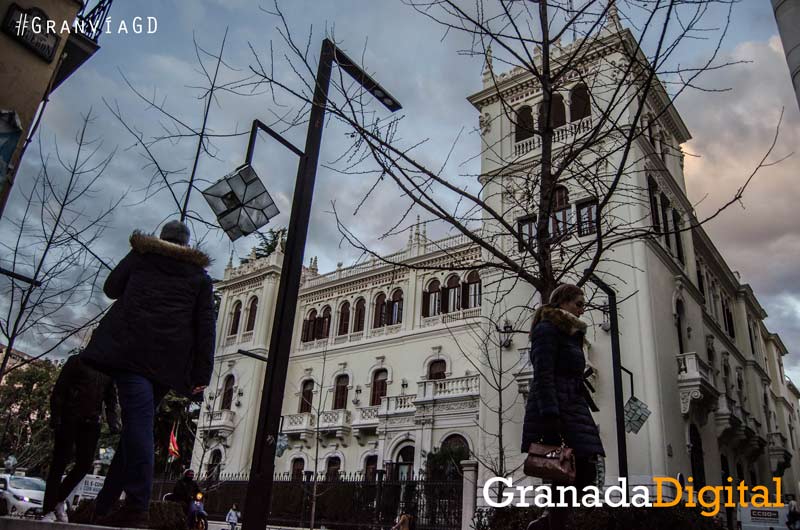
point(230, 260)
point(613, 15)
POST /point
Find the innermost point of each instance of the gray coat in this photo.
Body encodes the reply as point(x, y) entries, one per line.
point(557, 403)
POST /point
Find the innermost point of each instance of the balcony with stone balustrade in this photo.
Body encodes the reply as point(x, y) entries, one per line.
point(337, 423)
point(300, 426)
point(698, 395)
point(220, 423)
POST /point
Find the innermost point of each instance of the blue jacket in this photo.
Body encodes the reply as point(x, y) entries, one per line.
point(557, 402)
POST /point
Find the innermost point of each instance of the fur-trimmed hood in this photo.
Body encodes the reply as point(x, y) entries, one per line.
point(563, 320)
point(149, 244)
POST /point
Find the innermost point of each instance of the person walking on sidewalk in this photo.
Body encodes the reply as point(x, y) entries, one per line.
point(557, 410)
point(157, 336)
point(233, 516)
point(76, 406)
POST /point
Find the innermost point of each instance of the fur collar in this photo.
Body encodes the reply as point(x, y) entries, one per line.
point(148, 244)
point(563, 320)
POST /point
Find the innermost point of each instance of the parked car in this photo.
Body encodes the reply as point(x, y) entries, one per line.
point(21, 495)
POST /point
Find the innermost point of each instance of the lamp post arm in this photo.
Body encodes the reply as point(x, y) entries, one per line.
point(258, 124)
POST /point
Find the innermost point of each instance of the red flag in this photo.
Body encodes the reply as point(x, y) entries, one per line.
point(174, 453)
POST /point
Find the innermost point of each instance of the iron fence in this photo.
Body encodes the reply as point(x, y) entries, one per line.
point(343, 501)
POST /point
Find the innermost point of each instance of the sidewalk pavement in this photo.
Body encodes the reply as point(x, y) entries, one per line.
point(18, 523)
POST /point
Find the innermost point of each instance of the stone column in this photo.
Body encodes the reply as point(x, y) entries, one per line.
point(470, 492)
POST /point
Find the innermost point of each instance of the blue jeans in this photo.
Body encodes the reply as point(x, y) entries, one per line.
point(131, 469)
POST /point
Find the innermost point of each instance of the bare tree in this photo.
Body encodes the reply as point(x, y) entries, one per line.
point(622, 83)
point(167, 173)
point(51, 242)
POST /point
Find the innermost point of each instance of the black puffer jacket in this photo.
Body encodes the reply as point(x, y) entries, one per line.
point(557, 399)
point(80, 394)
point(162, 323)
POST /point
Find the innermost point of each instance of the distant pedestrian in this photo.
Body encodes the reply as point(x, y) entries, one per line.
point(76, 407)
point(233, 516)
point(793, 517)
point(158, 336)
point(404, 522)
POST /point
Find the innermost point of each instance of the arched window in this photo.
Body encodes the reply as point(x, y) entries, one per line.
point(306, 396)
point(298, 466)
point(432, 300)
point(379, 379)
point(679, 324)
point(394, 309)
point(445, 464)
point(323, 324)
point(227, 393)
point(455, 441)
point(676, 224)
point(236, 316)
point(340, 393)
point(471, 295)
point(665, 207)
point(579, 106)
point(309, 326)
point(698, 467)
point(251, 315)
point(451, 295)
point(558, 114)
point(370, 467)
point(437, 369)
point(652, 190)
point(332, 467)
point(360, 316)
point(379, 318)
point(559, 223)
point(524, 128)
point(344, 319)
point(214, 465)
point(404, 467)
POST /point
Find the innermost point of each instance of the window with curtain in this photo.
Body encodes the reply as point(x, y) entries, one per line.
point(451, 295)
point(394, 310)
point(432, 299)
point(471, 291)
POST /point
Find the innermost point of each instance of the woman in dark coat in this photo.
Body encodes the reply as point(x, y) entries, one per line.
point(158, 336)
point(557, 409)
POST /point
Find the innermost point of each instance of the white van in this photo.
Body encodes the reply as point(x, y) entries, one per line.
point(88, 488)
point(762, 518)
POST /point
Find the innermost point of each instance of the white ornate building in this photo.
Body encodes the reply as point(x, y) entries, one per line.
point(391, 363)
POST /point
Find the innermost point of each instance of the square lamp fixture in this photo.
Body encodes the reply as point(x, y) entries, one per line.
point(241, 202)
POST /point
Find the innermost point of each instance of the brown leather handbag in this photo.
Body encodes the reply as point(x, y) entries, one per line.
point(553, 462)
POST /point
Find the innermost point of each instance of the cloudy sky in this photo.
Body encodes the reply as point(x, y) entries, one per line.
point(422, 68)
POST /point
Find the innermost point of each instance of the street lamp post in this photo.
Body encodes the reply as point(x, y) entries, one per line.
point(616, 367)
point(259, 488)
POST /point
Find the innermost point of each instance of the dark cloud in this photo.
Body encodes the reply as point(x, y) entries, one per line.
point(408, 55)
